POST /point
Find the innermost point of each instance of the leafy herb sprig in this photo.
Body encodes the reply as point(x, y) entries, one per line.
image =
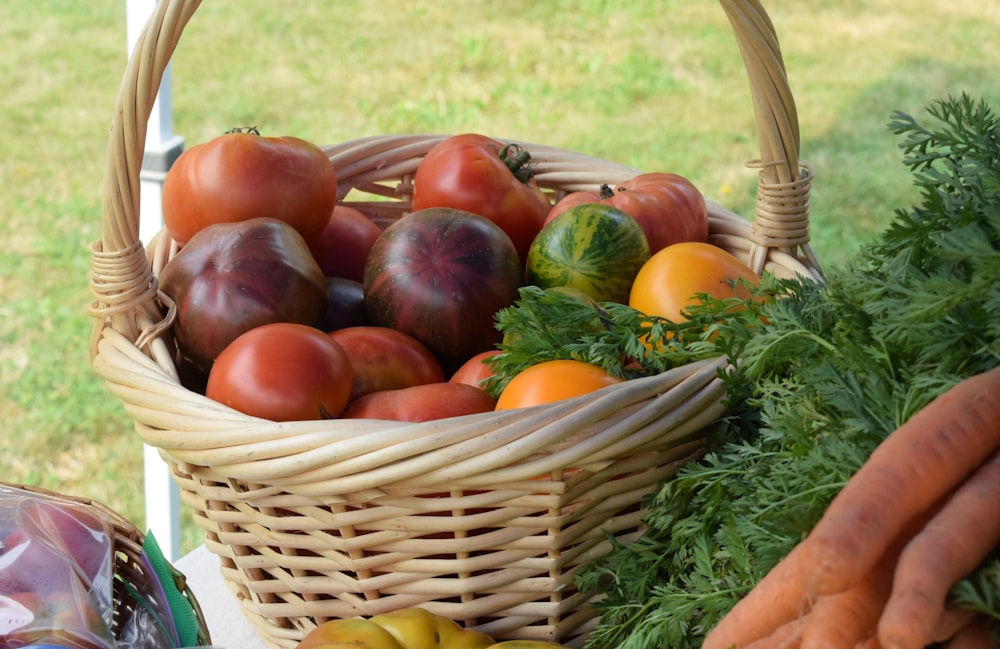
point(832, 371)
point(550, 324)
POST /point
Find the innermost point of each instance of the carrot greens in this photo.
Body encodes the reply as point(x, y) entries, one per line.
point(827, 375)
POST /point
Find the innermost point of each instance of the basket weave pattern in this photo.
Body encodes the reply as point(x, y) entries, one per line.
point(483, 519)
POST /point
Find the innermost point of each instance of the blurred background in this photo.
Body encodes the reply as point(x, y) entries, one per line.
point(655, 84)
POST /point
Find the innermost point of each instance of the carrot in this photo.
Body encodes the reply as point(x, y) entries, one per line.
point(778, 598)
point(842, 620)
point(786, 636)
point(981, 633)
point(848, 618)
point(915, 466)
point(951, 621)
point(949, 547)
point(869, 643)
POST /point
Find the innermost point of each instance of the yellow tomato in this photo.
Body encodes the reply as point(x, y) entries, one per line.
point(669, 282)
point(409, 628)
point(550, 381)
point(526, 644)
point(418, 628)
point(349, 632)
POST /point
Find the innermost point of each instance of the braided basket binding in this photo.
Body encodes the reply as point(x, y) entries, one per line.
point(326, 519)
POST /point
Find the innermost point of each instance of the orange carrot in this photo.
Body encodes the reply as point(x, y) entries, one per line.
point(869, 643)
point(952, 620)
point(842, 620)
point(786, 636)
point(981, 633)
point(914, 467)
point(949, 547)
point(778, 598)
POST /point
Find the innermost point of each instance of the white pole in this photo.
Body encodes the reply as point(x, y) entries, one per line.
point(162, 147)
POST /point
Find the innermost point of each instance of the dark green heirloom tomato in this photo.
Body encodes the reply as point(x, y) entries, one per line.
point(593, 247)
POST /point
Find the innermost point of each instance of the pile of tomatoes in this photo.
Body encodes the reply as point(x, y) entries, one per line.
point(291, 306)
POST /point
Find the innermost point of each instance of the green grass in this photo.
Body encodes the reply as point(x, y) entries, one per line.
point(658, 85)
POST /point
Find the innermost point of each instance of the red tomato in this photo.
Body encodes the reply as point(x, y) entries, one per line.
point(669, 207)
point(386, 359)
point(242, 175)
point(421, 403)
point(475, 370)
point(478, 174)
point(283, 372)
point(343, 245)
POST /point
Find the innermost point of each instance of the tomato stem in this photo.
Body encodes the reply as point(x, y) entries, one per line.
point(252, 130)
point(516, 159)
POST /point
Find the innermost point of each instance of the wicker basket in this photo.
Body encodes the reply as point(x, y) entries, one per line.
point(131, 575)
point(326, 519)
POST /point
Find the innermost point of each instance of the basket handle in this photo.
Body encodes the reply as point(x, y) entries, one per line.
point(781, 215)
point(122, 282)
point(125, 290)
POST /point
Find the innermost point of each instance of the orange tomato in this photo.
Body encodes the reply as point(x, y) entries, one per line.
point(550, 381)
point(667, 284)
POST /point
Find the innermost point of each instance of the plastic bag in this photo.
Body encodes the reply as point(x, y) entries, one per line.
point(60, 586)
point(56, 573)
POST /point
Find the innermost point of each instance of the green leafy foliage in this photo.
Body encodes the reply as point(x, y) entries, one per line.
point(550, 324)
point(833, 370)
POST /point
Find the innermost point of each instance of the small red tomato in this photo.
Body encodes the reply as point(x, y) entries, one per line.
point(386, 359)
point(242, 175)
point(421, 403)
point(475, 370)
point(342, 247)
point(283, 372)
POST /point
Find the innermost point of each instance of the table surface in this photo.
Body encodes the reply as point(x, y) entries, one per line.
point(226, 624)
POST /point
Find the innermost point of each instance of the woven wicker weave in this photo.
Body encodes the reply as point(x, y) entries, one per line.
point(131, 575)
point(314, 520)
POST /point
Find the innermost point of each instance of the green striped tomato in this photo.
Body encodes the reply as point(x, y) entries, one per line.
point(593, 247)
